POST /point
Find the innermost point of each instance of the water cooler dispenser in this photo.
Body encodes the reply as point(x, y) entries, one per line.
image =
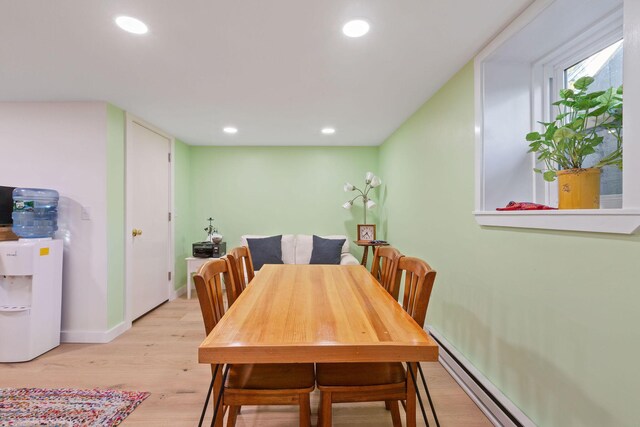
point(30, 298)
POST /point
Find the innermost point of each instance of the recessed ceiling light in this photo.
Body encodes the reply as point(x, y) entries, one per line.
point(230, 129)
point(356, 28)
point(328, 131)
point(132, 25)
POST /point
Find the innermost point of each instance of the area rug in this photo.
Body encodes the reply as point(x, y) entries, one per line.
point(66, 407)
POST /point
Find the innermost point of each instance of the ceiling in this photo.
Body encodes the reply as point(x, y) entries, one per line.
point(278, 70)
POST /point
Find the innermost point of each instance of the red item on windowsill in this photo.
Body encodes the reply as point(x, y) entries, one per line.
point(525, 206)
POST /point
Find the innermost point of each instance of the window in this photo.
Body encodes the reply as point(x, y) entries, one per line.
point(517, 77)
point(604, 64)
point(605, 67)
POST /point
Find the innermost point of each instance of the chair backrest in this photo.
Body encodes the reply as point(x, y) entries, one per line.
point(384, 267)
point(418, 283)
point(208, 283)
point(241, 267)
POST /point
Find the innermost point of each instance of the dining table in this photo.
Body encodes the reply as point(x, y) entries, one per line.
point(292, 313)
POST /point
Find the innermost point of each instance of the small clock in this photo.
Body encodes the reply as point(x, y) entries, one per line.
point(366, 232)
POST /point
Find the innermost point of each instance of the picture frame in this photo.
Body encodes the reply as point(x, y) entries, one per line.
point(366, 232)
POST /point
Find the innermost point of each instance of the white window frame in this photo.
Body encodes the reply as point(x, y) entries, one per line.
point(604, 34)
point(608, 30)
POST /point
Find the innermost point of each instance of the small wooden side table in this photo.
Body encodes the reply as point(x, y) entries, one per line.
point(366, 244)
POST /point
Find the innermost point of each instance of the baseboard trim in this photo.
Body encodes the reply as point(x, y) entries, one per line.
point(176, 293)
point(491, 401)
point(97, 337)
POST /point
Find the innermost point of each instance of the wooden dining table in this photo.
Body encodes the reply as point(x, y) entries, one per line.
point(316, 313)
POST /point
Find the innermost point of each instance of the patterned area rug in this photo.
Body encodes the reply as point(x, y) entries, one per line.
point(66, 407)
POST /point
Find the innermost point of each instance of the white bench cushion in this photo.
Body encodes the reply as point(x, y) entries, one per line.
point(297, 249)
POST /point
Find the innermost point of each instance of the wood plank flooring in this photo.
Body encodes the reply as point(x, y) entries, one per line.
point(159, 355)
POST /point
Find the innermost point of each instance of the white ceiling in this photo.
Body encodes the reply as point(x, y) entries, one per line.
point(279, 70)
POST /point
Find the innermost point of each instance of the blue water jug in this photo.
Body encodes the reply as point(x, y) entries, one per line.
point(35, 212)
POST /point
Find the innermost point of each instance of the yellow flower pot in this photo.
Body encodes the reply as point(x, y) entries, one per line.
point(579, 188)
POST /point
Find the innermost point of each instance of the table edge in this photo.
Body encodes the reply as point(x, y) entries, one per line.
point(303, 353)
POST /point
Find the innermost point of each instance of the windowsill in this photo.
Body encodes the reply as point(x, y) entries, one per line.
point(619, 221)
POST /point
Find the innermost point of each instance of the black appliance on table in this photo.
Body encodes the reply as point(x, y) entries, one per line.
point(209, 250)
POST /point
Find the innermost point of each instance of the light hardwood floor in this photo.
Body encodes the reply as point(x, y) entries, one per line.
point(159, 355)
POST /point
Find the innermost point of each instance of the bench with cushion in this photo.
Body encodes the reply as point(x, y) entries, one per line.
point(298, 249)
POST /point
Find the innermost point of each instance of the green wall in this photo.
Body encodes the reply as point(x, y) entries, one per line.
point(182, 211)
point(115, 215)
point(248, 190)
point(276, 190)
point(551, 318)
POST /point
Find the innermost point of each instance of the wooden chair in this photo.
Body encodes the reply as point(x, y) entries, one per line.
point(259, 384)
point(370, 382)
point(383, 268)
point(242, 268)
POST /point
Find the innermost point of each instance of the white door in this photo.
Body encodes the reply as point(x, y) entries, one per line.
point(148, 204)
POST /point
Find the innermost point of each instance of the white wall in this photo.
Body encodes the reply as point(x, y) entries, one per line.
point(63, 146)
point(506, 94)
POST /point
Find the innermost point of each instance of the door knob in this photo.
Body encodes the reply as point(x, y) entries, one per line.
point(136, 232)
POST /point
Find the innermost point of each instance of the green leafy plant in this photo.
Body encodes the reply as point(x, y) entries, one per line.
point(573, 135)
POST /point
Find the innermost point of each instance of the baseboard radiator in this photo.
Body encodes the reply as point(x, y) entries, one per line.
point(495, 405)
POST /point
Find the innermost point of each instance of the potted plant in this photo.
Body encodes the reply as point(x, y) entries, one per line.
point(572, 136)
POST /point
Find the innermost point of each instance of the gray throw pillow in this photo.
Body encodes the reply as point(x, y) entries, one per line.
point(267, 250)
point(326, 251)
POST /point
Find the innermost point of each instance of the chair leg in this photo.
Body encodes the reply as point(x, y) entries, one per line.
point(415, 392)
point(426, 389)
point(387, 405)
point(206, 402)
point(325, 415)
point(410, 408)
point(395, 412)
point(233, 415)
point(217, 420)
point(305, 410)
